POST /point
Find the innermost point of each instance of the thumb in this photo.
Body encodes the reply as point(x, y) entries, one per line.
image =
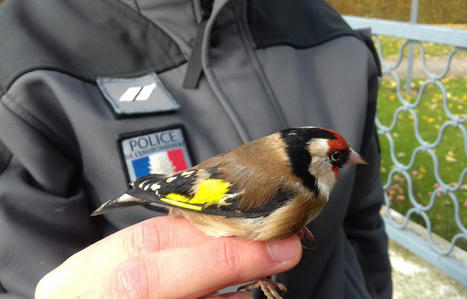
point(202, 268)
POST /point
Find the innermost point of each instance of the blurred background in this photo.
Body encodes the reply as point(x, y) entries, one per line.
point(421, 120)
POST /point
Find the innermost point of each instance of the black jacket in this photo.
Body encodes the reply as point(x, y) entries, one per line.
point(69, 116)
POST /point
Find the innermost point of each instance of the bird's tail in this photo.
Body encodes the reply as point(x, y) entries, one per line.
point(123, 201)
point(134, 197)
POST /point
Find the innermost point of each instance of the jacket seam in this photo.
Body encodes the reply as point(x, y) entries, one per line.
point(22, 113)
point(79, 74)
point(88, 76)
point(279, 42)
point(196, 12)
point(6, 163)
point(351, 280)
point(363, 268)
point(214, 84)
point(248, 45)
point(145, 22)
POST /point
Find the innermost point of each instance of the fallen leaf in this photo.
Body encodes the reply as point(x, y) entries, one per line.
point(451, 159)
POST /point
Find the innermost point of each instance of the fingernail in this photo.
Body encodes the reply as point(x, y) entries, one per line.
point(284, 250)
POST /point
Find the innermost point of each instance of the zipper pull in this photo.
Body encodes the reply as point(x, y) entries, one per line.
point(194, 69)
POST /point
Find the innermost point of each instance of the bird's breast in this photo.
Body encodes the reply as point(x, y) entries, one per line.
point(289, 219)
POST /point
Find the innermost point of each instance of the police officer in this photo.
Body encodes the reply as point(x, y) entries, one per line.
point(87, 87)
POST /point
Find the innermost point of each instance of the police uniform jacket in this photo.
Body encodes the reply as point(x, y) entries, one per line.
point(91, 90)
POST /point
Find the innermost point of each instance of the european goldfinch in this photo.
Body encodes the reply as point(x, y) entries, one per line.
point(266, 189)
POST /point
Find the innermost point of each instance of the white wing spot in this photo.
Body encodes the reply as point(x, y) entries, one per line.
point(171, 179)
point(126, 198)
point(154, 187)
point(142, 183)
point(187, 173)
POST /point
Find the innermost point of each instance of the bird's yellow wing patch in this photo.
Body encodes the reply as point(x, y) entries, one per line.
point(176, 202)
point(210, 192)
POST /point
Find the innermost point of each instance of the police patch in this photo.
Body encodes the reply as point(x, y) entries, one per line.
point(156, 152)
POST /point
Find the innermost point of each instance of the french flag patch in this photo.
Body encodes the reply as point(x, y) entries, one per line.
point(160, 152)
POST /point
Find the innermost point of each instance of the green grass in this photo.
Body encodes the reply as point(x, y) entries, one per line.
point(391, 46)
point(450, 152)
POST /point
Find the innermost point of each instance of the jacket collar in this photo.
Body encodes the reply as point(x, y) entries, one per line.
point(178, 18)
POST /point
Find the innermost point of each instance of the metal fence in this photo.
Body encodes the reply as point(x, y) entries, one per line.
point(414, 34)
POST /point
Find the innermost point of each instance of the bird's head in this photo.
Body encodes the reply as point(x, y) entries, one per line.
point(317, 154)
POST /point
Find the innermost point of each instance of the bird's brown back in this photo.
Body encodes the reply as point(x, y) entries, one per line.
point(259, 169)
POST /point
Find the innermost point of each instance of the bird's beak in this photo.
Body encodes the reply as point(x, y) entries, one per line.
point(355, 158)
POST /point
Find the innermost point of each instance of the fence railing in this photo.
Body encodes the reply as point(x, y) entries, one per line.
point(414, 34)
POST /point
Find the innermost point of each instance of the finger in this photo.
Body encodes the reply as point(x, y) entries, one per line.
point(236, 295)
point(102, 257)
point(201, 268)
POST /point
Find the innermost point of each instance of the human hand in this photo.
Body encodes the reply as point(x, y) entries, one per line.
point(166, 257)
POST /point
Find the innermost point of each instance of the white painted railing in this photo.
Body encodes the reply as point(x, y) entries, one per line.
point(413, 34)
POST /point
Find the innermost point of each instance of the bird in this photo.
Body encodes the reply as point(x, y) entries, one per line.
point(267, 189)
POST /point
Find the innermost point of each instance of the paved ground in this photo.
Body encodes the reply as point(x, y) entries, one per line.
point(435, 65)
point(415, 278)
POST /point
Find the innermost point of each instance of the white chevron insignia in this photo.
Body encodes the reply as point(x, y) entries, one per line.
point(137, 93)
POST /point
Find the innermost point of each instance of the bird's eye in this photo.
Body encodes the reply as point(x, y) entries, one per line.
point(336, 156)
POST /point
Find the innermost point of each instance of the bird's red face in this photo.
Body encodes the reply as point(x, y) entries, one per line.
point(316, 154)
point(329, 151)
point(340, 153)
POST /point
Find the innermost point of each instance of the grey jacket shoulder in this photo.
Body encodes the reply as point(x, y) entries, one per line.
point(127, 41)
point(84, 38)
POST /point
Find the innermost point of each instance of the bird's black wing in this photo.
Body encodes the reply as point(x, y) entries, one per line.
point(199, 190)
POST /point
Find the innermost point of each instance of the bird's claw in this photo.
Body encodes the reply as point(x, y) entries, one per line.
point(306, 234)
point(267, 286)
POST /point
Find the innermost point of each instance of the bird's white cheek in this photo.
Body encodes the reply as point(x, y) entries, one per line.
point(325, 176)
